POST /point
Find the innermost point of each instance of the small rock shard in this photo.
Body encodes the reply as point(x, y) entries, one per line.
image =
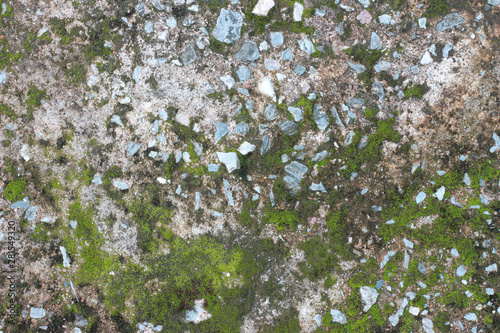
point(335, 115)
point(382, 66)
point(263, 7)
point(288, 127)
point(270, 112)
point(228, 26)
point(246, 147)
point(306, 45)
point(265, 145)
point(243, 73)
point(241, 128)
point(365, 17)
point(317, 187)
point(496, 146)
point(133, 148)
point(450, 21)
point(428, 325)
point(230, 160)
point(229, 196)
point(394, 319)
point(338, 317)
point(320, 117)
point(248, 52)
point(221, 130)
point(37, 313)
point(369, 297)
point(461, 271)
point(426, 59)
point(375, 42)
point(66, 262)
point(276, 38)
point(298, 10)
point(266, 88)
point(491, 268)
point(198, 314)
point(188, 55)
point(294, 173)
point(420, 197)
point(296, 113)
point(120, 185)
point(471, 316)
point(439, 193)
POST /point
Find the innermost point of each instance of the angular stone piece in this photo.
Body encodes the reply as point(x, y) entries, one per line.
point(230, 160)
point(37, 313)
point(320, 117)
point(306, 45)
point(270, 112)
point(188, 56)
point(338, 317)
point(221, 130)
point(228, 26)
point(248, 52)
point(265, 145)
point(358, 68)
point(296, 112)
point(133, 148)
point(263, 7)
point(369, 297)
point(243, 73)
point(246, 147)
point(364, 17)
point(450, 21)
point(298, 10)
point(288, 127)
point(375, 42)
point(266, 88)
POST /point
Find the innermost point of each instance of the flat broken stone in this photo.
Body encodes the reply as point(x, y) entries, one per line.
point(426, 58)
point(221, 130)
point(270, 112)
point(450, 21)
point(37, 313)
point(266, 88)
point(364, 17)
point(338, 317)
point(369, 297)
point(228, 27)
point(263, 7)
point(439, 193)
point(230, 160)
point(265, 145)
point(375, 42)
point(358, 68)
point(188, 55)
point(246, 147)
point(133, 148)
point(120, 185)
point(306, 45)
point(248, 52)
point(320, 117)
point(288, 127)
point(296, 113)
point(317, 187)
point(198, 314)
point(420, 197)
point(298, 10)
point(66, 262)
point(227, 190)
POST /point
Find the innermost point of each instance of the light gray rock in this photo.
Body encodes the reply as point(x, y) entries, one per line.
point(213, 168)
point(263, 7)
point(338, 317)
point(265, 145)
point(496, 146)
point(439, 193)
point(272, 65)
point(37, 313)
point(23, 204)
point(197, 198)
point(243, 73)
point(420, 197)
point(450, 21)
point(428, 325)
point(133, 148)
point(287, 55)
point(369, 297)
point(246, 147)
point(298, 10)
point(73, 224)
point(348, 139)
point(386, 259)
point(317, 187)
point(365, 3)
point(116, 119)
point(375, 42)
point(426, 58)
point(188, 56)
point(288, 127)
point(227, 190)
point(466, 179)
point(335, 115)
point(241, 129)
point(394, 319)
point(221, 130)
point(294, 173)
point(66, 262)
point(266, 87)
point(140, 8)
point(306, 45)
point(422, 22)
point(136, 75)
point(320, 156)
point(494, 2)
point(296, 113)
point(320, 117)
point(248, 52)
point(149, 27)
point(31, 213)
point(461, 271)
point(228, 81)
point(358, 68)
point(379, 90)
point(382, 66)
point(471, 316)
point(158, 5)
point(120, 185)
point(270, 112)
point(276, 38)
point(299, 70)
point(386, 19)
point(198, 148)
point(491, 268)
point(230, 160)
point(228, 26)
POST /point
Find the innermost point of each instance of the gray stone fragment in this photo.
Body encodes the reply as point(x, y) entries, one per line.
point(227, 190)
point(197, 198)
point(317, 187)
point(116, 119)
point(37, 313)
point(230, 160)
point(228, 81)
point(394, 319)
point(296, 112)
point(496, 146)
point(66, 262)
point(31, 213)
point(266, 87)
point(23, 204)
point(439, 193)
point(287, 54)
point(382, 66)
point(213, 168)
point(133, 148)
point(140, 8)
point(243, 73)
point(427, 325)
point(246, 147)
point(471, 316)
point(339, 28)
point(420, 197)
point(379, 90)
point(288, 127)
point(298, 10)
point(348, 139)
point(136, 75)
point(73, 224)
point(491, 268)
point(221, 130)
point(149, 27)
point(375, 42)
point(276, 38)
point(158, 5)
point(338, 317)
point(263, 7)
point(355, 101)
point(369, 296)
point(272, 65)
point(228, 26)
point(294, 173)
point(320, 117)
point(335, 115)
point(248, 52)
point(241, 128)
point(270, 112)
point(466, 179)
point(81, 321)
point(188, 56)
point(446, 50)
point(461, 271)
point(120, 185)
point(265, 145)
point(320, 156)
point(450, 21)
point(386, 259)
point(494, 2)
point(198, 148)
point(299, 70)
point(306, 45)
point(358, 68)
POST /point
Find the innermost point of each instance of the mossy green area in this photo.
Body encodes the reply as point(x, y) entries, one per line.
point(34, 98)
point(15, 189)
point(416, 91)
point(7, 111)
point(361, 54)
point(7, 57)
